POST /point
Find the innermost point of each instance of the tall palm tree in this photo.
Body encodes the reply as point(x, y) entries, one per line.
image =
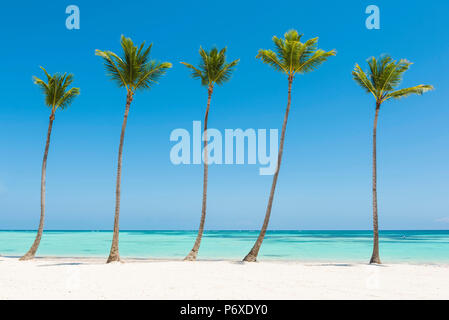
point(133, 71)
point(291, 57)
point(213, 69)
point(57, 96)
point(383, 78)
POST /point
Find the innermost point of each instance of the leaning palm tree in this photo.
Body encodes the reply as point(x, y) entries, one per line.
point(133, 71)
point(383, 78)
point(57, 96)
point(213, 69)
point(292, 57)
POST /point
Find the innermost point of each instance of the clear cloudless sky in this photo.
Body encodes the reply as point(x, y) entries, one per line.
point(325, 179)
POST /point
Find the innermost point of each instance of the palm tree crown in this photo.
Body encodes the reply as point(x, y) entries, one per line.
point(213, 67)
point(292, 56)
point(55, 90)
point(134, 70)
point(384, 77)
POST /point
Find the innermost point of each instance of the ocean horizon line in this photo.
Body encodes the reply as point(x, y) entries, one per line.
point(206, 230)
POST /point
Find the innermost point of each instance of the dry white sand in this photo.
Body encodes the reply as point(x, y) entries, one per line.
point(64, 278)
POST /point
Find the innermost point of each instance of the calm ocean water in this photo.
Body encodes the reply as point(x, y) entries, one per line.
point(352, 246)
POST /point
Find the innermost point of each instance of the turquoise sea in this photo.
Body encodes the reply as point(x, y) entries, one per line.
point(349, 246)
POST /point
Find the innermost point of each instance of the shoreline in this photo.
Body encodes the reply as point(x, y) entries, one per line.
point(87, 278)
point(102, 259)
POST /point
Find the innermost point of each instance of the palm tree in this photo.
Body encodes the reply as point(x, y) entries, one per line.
point(383, 78)
point(133, 71)
point(213, 69)
point(292, 57)
point(57, 96)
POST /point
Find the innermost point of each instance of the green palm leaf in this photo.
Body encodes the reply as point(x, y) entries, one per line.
point(402, 93)
point(384, 76)
point(133, 70)
point(270, 58)
point(213, 67)
point(315, 61)
point(55, 90)
point(291, 56)
point(360, 77)
point(151, 73)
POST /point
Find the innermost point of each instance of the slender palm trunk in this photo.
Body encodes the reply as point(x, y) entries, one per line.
point(194, 252)
point(114, 254)
point(375, 256)
point(32, 252)
point(252, 255)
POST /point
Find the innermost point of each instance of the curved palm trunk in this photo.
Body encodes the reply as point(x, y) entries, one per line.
point(194, 252)
point(32, 252)
point(114, 254)
point(375, 256)
point(252, 255)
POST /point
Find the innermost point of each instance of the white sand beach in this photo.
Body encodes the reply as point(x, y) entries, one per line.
point(70, 278)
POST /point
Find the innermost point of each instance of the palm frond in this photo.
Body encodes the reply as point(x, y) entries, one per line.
point(197, 73)
point(291, 56)
point(153, 71)
point(226, 72)
point(111, 63)
point(361, 78)
point(270, 58)
point(212, 67)
point(42, 85)
point(374, 74)
point(46, 73)
point(402, 93)
point(315, 61)
point(133, 70)
point(385, 74)
point(391, 75)
point(307, 50)
point(55, 90)
point(292, 35)
point(67, 99)
point(281, 53)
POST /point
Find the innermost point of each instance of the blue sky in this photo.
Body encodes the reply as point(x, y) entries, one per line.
point(325, 179)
